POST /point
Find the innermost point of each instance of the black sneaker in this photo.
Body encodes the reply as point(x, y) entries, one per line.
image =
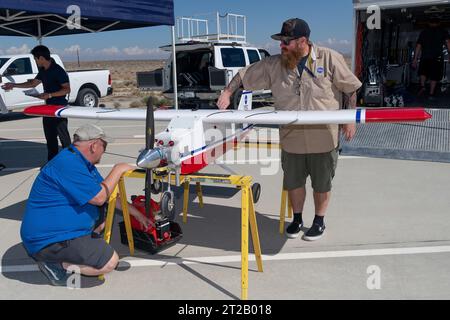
point(293, 230)
point(314, 233)
point(54, 272)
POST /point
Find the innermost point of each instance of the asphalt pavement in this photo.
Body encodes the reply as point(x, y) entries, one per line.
point(386, 238)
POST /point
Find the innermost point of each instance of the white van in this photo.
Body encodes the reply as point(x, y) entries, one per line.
point(205, 65)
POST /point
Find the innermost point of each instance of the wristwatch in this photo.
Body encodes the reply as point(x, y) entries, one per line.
point(49, 95)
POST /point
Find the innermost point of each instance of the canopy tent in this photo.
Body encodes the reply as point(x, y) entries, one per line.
point(44, 18)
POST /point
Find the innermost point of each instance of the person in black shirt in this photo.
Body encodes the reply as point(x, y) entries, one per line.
point(430, 50)
point(56, 87)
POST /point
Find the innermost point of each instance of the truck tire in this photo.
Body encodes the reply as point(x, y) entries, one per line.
point(87, 98)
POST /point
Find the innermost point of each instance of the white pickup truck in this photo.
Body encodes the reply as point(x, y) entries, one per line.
point(86, 86)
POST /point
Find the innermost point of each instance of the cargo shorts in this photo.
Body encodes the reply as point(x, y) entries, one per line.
point(84, 251)
point(321, 167)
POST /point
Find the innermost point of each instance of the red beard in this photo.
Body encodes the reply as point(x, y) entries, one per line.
point(290, 59)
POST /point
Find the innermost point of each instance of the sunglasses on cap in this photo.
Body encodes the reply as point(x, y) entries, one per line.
point(286, 42)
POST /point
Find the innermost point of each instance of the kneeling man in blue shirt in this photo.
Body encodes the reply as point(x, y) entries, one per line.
point(59, 225)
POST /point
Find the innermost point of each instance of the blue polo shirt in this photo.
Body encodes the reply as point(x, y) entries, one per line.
point(57, 208)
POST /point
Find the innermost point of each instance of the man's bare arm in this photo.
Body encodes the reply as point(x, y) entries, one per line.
point(350, 100)
point(234, 84)
point(110, 183)
point(29, 84)
point(65, 90)
point(349, 130)
point(224, 99)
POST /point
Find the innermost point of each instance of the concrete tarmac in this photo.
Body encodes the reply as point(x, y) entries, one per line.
point(386, 237)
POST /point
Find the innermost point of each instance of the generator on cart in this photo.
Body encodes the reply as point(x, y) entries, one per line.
point(163, 231)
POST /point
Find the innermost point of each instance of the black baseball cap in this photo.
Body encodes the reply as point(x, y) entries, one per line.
point(293, 29)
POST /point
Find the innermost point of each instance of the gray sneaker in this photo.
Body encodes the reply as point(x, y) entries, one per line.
point(54, 272)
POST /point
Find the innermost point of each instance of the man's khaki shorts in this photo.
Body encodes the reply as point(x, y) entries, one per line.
point(321, 167)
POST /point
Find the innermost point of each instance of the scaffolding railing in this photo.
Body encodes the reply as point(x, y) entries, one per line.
point(228, 28)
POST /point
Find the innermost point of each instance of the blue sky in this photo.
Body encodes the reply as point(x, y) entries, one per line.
point(330, 22)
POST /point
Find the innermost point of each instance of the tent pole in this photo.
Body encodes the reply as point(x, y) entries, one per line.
point(174, 70)
point(39, 31)
point(355, 32)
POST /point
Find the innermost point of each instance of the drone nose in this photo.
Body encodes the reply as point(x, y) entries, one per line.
point(149, 159)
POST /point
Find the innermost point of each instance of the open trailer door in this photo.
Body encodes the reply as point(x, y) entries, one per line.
point(383, 57)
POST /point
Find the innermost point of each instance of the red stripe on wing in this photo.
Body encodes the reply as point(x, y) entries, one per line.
point(397, 115)
point(45, 110)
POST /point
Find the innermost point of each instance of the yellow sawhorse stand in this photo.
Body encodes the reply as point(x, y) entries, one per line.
point(285, 202)
point(248, 215)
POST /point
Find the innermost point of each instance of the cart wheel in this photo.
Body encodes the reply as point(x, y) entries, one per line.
point(156, 187)
point(256, 192)
point(167, 206)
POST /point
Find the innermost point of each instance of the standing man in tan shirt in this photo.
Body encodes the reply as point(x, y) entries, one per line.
point(304, 77)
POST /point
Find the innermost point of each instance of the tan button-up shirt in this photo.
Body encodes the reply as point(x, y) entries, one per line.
point(319, 89)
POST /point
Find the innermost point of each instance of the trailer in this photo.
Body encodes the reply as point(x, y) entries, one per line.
point(382, 57)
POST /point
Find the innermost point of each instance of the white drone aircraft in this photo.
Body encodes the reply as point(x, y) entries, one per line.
point(184, 148)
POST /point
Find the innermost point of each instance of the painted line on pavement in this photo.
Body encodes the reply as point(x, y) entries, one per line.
point(278, 257)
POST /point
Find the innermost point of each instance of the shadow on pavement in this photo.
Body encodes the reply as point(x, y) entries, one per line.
point(19, 156)
point(213, 226)
point(13, 116)
point(16, 257)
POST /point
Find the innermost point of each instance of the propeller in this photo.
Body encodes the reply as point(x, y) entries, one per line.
point(150, 157)
point(143, 159)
